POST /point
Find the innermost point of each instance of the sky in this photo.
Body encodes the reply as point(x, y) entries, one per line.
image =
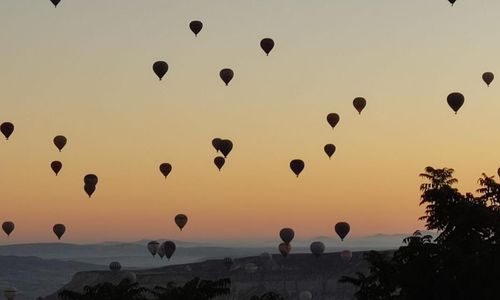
point(83, 70)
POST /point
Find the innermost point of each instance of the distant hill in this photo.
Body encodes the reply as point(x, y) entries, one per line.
point(33, 276)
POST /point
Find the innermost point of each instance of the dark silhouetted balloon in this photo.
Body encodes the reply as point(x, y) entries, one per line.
point(161, 251)
point(160, 68)
point(498, 171)
point(169, 247)
point(55, 2)
point(181, 221)
point(8, 227)
point(359, 104)
point(89, 189)
point(317, 248)
point(59, 230)
point(488, 78)
point(225, 147)
point(228, 262)
point(216, 144)
point(115, 266)
point(196, 27)
point(452, 2)
point(267, 45)
point(297, 165)
point(60, 141)
point(333, 119)
point(330, 149)
point(56, 166)
point(153, 247)
point(165, 169)
point(455, 101)
point(346, 255)
point(342, 229)
point(226, 75)
point(90, 179)
point(7, 129)
point(287, 235)
point(219, 162)
point(285, 249)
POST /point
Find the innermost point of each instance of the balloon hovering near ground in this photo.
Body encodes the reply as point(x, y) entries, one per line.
point(181, 220)
point(285, 249)
point(359, 104)
point(196, 27)
point(7, 128)
point(56, 166)
point(59, 230)
point(342, 229)
point(267, 45)
point(55, 2)
point(287, 235)
point(346, 255)
point(330, 150)
point(333, 119)
point(219, 162)
point(60, 141)
point(317, 248)
point(169, 247)
point(8, 227)
point(115, 266)
point(165, 169)
point(297, 165)
point(161, 251)
point(455, 101)
point(153, 247)
point(488, 78)
point(226, 75)
point(160, 68)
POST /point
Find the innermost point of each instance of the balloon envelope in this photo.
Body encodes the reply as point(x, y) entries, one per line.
point(359, 104)
point(285, 249)
point(287, 235)
point(216, 144)
point(60, 141)
point(333, 119)
point(89, 189)
point(196, 27)
point(267, 45)
point(91, 179)
point(330, 149)
point(153, 247)
point(297, 165)
point(56, 166)
point(161, 251)
point(8, 227)
point(226, 75)
point(225, 147)
point(7, 129)
point(488, 78)
point(317, 248)
point(169, 247)
point(452, 2)
point(455, 101)
point(165, 169)
point(160, 68)
point(55, 2)
point(342, 229)
point(115, 266)
point(219, 162)
point(181, 220)
point(59, 230)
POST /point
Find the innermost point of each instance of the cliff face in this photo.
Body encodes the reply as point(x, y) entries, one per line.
point(286, 276)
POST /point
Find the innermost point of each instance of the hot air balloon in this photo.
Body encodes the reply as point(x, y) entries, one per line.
point(297, 165)
point(498, 171)
point(115, 266)
point(169, 248)
point(10, 293)
point(59, 230)
point(488, 78)
point(359, 104)
point(225, 147)
point(216, 144)
point(165, 169)
point(219, 162)
point(55, 2)
point(196, 27)
point(333, 119)
point(228, 263)
point(60, 141)
point(305, 295)
point(8, 227)
point(89, 189)
point(287, 235)
point(181, 221)
point(226, 75)
point(342, 229)
point(317, 248)
point(285, 249)
point(161, 251)
point(267, 45)
point(7, 128)
point(452, 2)
point(346, 255)
point(330, 150)
point(153, 247)
point(160, 68)
point(56, 166)
point(90, 179)
point(455, 101)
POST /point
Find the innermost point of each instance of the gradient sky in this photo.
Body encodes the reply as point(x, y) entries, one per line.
point(84, 70)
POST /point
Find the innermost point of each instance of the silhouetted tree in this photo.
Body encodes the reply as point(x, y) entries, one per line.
point(463, 262)
point(196, 289)
point(125, 290)
point(268, 296)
